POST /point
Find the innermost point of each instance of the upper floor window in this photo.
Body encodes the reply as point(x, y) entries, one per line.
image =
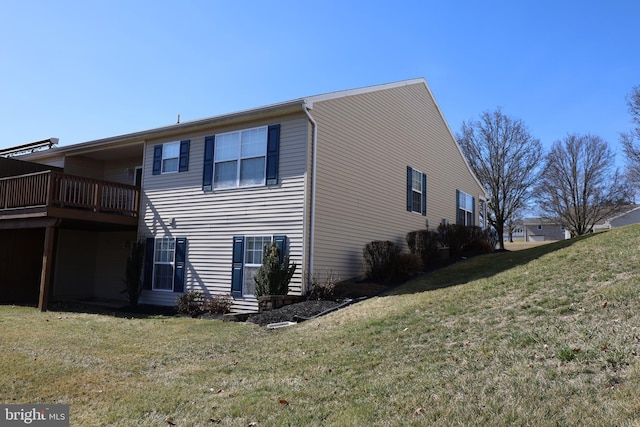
point(466, 209)
point(240, 159)
point(416, 191)
point(171, 157)
point(244, 158)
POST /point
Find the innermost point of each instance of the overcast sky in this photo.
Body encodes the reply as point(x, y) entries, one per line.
point(85, 70)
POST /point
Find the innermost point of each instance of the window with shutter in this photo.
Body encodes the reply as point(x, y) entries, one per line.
point(416, 191)
point(247, 259)
point(171, 157)
point(164, 267)
point(466, 209)
point(244, 158)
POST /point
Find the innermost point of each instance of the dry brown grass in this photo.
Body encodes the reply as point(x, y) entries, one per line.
point(548, 335)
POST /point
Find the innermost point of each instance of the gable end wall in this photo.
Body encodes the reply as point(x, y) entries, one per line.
point(365, 143)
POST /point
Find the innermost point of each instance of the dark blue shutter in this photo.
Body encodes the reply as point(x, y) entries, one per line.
point(207, 172)
point(237, 266)
point(424, 194)
point(473, 218)
point(179, 262)
point(409, 188)
point(184, 156)
point(157, 159)
point(148, 263)
point(281, 243)
point(459, 213)
point(273, 149)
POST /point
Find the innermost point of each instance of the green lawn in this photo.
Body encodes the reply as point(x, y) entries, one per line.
point(548, 335)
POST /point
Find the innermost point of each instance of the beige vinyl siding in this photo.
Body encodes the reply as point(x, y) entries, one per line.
point(84, 166)
point(112, 249)
point(365, 143)
point(210, 219)
point(74, 271)
point(122, 170)
point(57, 162)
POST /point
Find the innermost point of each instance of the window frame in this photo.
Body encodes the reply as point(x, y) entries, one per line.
point(416, 185)
point(246, 264)
point(468, 212)
point(239, 159)
point(172, 263)
point(165, 157)
point(419, 174)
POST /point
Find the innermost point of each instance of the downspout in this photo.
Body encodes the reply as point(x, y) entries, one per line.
point(312, 208)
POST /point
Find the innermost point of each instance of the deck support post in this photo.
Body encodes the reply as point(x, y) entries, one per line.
point(48, 256)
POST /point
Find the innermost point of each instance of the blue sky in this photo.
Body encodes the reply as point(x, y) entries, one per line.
point(84, 70)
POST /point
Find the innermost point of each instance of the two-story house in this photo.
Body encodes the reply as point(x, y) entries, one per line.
point(321, 175)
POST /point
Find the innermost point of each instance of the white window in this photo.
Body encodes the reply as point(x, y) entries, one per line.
point(417, 192)
point(240, 158)
point(465, 209)
point(484, 219)
point(170, 157)
point(253, 251)
point(164, 263)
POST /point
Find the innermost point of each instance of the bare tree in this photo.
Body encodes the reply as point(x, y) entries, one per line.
point(514, 224)
point(505, 157)
point(630, 141)
point(580, 184)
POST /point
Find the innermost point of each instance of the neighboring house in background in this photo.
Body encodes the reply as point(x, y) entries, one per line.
point(543, 230)
point(514, 233)
point(321, 176)
point(628, 215)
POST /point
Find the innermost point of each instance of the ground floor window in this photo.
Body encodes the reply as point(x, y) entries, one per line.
point(164, 263)
point(466, 209)
point(247, 259)
point(254, 251)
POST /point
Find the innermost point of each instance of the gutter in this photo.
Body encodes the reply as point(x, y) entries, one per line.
point(312, 208)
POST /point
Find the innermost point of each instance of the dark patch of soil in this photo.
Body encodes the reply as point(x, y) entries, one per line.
point(344, 292)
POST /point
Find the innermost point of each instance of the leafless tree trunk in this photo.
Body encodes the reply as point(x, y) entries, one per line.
point(505, 157)
point(579, 184)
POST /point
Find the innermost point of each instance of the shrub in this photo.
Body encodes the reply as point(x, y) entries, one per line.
point(491, 236)
point(455, 236)
point(470, 239)
point(423, 243)
point(380, 258)
point(273, 277)
point(191, 303)
point(324, 290)
point(218, 304)
point(408, 264)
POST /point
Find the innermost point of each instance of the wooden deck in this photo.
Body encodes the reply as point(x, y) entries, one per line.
point(53, 194)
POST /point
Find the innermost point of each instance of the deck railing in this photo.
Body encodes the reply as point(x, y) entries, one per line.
point(54, 189)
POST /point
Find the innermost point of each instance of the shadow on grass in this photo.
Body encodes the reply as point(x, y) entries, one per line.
point(141, 311)
point(477, 267)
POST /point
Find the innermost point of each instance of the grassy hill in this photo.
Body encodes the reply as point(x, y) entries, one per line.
point(543, 336)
